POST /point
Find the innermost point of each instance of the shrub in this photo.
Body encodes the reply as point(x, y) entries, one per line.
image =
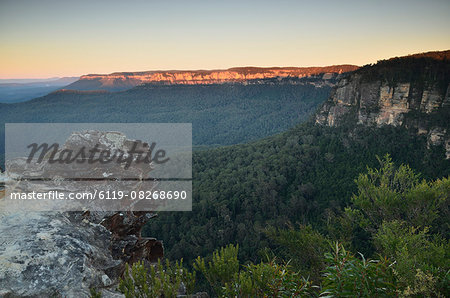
point(348, 276)
point(221, 269)
point(161, 280)
point(267, 280)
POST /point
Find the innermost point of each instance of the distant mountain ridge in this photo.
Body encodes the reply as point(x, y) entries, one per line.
point(19, 90)
point(54, 80)
point(125, 80)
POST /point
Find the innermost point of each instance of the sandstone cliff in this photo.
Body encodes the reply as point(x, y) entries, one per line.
point(412, 91)
point(126, 80)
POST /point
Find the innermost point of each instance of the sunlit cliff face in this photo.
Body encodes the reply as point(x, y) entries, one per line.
point(214, 76)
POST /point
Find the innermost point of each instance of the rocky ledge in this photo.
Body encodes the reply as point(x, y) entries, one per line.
point(64, 254)
point(53, 254)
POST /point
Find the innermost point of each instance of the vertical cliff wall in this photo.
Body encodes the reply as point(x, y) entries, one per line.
point(412, 91)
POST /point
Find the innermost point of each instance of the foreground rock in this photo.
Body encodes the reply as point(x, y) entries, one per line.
point(46, 254)
point(64, 254)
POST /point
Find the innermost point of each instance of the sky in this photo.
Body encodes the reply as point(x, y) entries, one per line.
point(44, 38)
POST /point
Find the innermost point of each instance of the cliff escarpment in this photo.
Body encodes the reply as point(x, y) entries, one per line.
point(411, 91)
point(125, 80)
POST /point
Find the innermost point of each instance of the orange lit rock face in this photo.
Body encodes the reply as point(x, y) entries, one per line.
point(213, 76)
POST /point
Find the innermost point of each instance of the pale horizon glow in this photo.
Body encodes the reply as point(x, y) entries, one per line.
point(50, 38)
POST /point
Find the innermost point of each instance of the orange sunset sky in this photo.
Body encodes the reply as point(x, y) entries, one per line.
point(41, 39)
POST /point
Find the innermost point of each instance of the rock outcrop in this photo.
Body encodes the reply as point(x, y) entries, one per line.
point(413, 92)
point(54, 254)
point(126, 80)
point(64, 254)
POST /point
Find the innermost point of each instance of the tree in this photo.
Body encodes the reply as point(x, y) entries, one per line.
point(303, 248)
point(419, 256)
point(391, 193)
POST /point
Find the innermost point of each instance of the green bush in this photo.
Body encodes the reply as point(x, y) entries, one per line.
point(303, 248)
point(222, 269)
point(267, 280)
point(421, 259)
point(160, 280)
point(391, 193)
point(348, 276)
